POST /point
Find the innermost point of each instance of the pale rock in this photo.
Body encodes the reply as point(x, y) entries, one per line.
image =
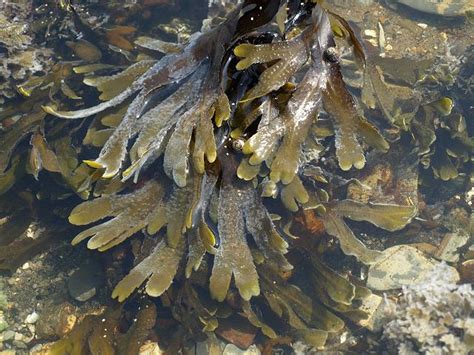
point(231, 349)
point(150, 348)
point(402, 265)
point(370, 33)
point(32, 318)
point(451, 245)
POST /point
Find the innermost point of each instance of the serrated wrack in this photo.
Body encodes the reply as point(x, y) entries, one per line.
point(159, 268)
point(298, 116)
point(350, 245)
point(27, 124)
point(386, 216)
point(304, 320)
point(294, 193)
point(257, 321)
point(259, 224)
point(112, 86)
point(154, 127)
point(291, 57)
point(158, 45)
point(131, 213)
point(233, 255)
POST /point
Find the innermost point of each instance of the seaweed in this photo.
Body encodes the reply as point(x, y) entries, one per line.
point(100, 333)
point(212, 153)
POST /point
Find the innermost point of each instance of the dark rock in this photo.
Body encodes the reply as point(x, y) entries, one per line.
point(238, 331)
point(85, 281)
point(56, 320)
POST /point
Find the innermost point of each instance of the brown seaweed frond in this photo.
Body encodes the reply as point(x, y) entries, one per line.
point(385, 216)
point(132, 213)
point(233, 255)
point(308, 321)
point(279, 142)
point(199, 61)
point(100, 333)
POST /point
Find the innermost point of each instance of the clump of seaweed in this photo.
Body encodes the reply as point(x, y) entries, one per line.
point(425, 103)
point(19, 57)
point(198, 145)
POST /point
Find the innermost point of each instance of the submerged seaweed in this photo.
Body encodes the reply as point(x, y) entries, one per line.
point(195, 149)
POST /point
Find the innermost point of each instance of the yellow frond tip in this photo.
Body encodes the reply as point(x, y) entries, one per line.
point(94, 164)
point(49, 109)
point(243, 50)
point(24, 92)
point(243, 64)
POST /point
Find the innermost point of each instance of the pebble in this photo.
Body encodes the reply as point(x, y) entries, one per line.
point(25, 266)
point(370, 33)
point(32, 318)
point(8, 335)
point(238, 331)
point(231, 349)
point(19, 344)
point(467, 271)
point(150, 349)
point(3, 326)
point(450, 246)
point(84, 282)
point(402, 265)
point(56, 320)
point(422, 25)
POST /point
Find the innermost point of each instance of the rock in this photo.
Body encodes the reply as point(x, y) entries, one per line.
point(38, 349)
point(370, 33)
point(19, 344)
point(402, 265)
point(41, 349)
point(150, 348)
point(433, 316)
point(442, 7)
point(372, 305)
point(238, 331)
point(7, 335)
point(3, 325)
point(467, 271)
point(231, 349)
point(3, 299)
point(25, 266)
point(84, 282)
point(56, 320)
point(212, 345)
point(366, 2)
point(450, 246)
point(32, 318)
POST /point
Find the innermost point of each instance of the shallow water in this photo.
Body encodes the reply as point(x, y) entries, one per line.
point(355, 236)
